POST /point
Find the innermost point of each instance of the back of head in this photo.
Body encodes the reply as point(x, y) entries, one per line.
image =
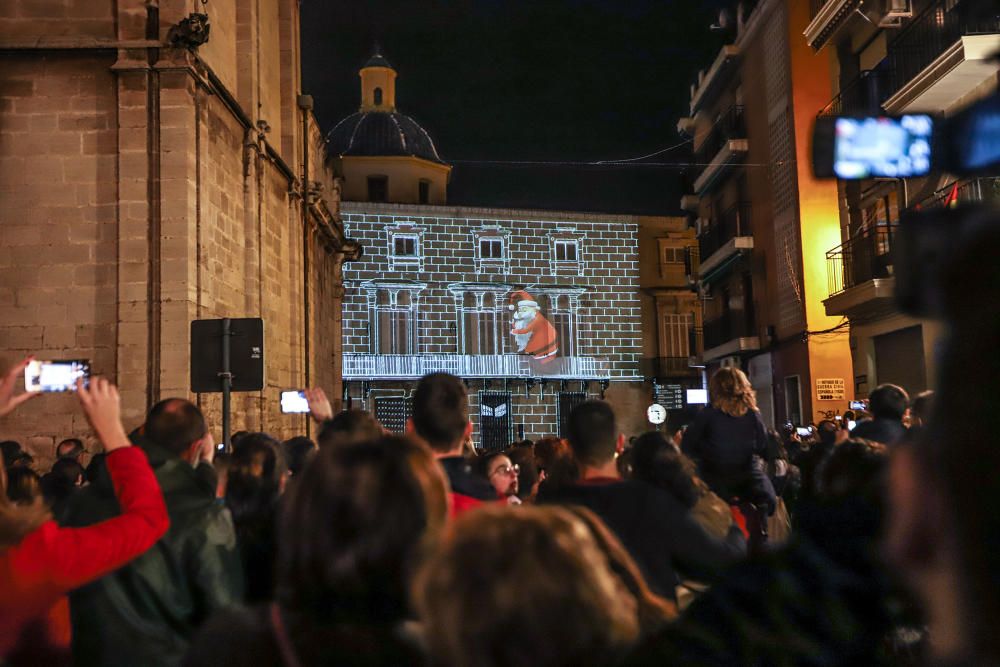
point(298, 451)
point(69, 448)
point(888, 401)
point(253, 480)
point(826, 430)
point(440, 411)
point(523, 586)
point(593, 433)
point(731, 392)
point(348, 427)
point(656, 461)
point(175, 424)
point(69, 471)
point(24, 486)
point(354, 526)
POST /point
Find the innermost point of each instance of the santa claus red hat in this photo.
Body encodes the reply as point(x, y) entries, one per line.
point(521, 298)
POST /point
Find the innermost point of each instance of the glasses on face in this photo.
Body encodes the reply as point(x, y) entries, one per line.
point(507, 470)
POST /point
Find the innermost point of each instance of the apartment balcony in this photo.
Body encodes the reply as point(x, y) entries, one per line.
point(724, 147)
point(729, 235)
point(863, 96)
point(829, 18)
point(668, 367)
point(941, 56)
point(859, 273)
point(415, 366)
point(710, 82)
point(965, 191)
point(732, 334)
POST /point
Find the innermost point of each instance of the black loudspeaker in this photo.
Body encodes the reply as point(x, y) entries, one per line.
point(246, 354)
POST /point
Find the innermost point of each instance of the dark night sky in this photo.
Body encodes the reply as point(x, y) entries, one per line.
point(577, 80)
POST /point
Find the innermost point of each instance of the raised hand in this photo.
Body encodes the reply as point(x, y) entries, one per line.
point(319, 404)
point(8, 401)
point(102, 406)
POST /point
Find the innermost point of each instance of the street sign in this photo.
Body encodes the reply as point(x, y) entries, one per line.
point(670, 396)
point(656, 413)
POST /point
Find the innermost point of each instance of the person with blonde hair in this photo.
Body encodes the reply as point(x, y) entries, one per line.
point(727, 438)
point(524, 586)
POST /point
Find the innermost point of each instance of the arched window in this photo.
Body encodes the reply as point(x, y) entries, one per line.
point(378, 97)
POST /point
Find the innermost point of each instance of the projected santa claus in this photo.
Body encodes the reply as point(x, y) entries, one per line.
point(533, 334)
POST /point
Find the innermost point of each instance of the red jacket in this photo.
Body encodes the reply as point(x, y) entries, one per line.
point(51, 561)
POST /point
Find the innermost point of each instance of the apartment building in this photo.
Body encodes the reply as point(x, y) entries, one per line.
point(763, 222)
point(897, 57)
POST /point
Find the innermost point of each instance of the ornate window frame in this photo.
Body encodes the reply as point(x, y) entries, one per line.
point(413, 262)
point(392, 290)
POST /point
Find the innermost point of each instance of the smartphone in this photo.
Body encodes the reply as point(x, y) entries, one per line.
point(838, 418)
point(294, 402)
point(803, 431)
point(858, 405)
point(854, 148)
point(49, 376)
point(851, 424)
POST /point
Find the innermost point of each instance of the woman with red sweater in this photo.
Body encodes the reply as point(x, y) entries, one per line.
point(40, 562)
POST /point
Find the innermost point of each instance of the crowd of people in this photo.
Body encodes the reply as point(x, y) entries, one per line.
point(715, 541)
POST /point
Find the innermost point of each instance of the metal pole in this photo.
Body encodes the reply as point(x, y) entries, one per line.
point(227, 383)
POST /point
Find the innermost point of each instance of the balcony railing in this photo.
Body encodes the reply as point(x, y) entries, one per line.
point(929, 35)
point(732, 325)
point(865, 257)
point(863, 95)
point(962, 192)
point(734, 222)
point(729, 126)
point(412, 366)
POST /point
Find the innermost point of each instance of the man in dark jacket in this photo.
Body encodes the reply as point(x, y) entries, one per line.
point(888, 404)
point(655, 528)
point(441, 419)
point(147, 612)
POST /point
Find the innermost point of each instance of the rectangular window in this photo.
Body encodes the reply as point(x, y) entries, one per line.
point(394, 332)
point(567, 401)
point(424, 192)
point(562, 322)
point(392, 412)
point(566, 250)
point(673, 255)
point(404, 246)
point(495, 432)
point(677, 335)
point(378, 188)
point(491, 248)
point(481, 329)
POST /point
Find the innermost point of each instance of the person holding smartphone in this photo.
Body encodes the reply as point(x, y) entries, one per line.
point(40, 562)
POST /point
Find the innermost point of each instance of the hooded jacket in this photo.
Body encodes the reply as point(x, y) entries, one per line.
point(147, 612)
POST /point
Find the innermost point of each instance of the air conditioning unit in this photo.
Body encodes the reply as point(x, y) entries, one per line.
point(894, 12)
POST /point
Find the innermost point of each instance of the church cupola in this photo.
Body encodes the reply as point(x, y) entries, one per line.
point(378, 84)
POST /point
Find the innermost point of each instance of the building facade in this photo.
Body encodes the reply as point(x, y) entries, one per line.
point(150, 178)
point(764, 223)
point(535, 310)
point(671, 311)
point(897, 57)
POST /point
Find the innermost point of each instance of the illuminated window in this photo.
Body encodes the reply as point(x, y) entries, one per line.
point(483, 318)
point(404, 245)
point(378, 188)
point(566, 250)
point(405, 248)
point(393, 309)
point(491, 248)
point(378, 97)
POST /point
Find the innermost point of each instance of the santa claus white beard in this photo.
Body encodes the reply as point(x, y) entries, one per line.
point(521, 321)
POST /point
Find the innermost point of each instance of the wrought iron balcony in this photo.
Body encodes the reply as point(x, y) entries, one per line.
point(413, 366)
point(735, 222)
point(726, 142)
point(865, 257)
point(863, 95)
point(732, 325)
point(945, 47)
point(985, 189)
